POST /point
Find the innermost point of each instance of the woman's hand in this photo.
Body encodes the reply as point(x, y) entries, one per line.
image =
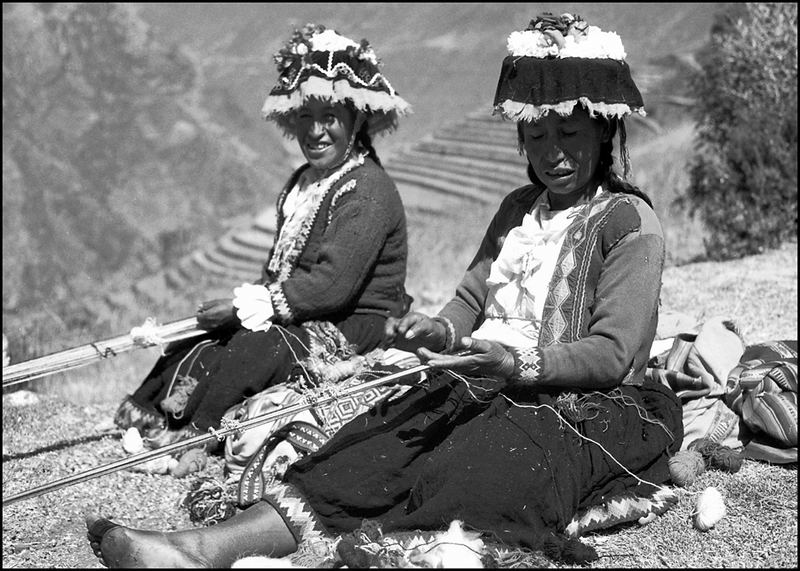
point(215, 313)
point(476, 358)
point(413, 331)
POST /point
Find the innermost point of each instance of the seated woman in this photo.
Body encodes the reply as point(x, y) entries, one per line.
point(337, 268)
point(539, 406)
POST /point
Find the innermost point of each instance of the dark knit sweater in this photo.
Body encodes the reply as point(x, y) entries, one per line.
point(601, 310)
point(353, 259)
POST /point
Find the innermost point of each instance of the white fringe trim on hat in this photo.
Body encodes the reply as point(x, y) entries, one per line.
point(336, 91)
point(517, 111)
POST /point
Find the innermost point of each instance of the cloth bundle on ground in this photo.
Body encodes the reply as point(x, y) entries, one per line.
point(736, 395)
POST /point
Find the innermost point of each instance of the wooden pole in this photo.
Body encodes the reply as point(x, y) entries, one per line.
point(307, 403)
point(85, 354)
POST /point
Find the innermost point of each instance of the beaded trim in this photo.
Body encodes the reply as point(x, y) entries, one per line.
point(346, 187)
point(288, 248)
point(342, 69)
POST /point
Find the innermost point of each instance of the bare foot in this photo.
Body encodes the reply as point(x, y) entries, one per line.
point(124, 547)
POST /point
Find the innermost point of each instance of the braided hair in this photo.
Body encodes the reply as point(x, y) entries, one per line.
point(610, 180)
point(365, 141)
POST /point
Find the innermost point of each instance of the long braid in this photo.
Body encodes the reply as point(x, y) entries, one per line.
point(612, 180)
point(363, 138)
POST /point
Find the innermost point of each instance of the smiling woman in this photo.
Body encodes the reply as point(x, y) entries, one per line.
point(337, 268)
point(326, 133)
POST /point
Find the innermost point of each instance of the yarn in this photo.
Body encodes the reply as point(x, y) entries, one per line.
point(132, 441)
point(685, 466)
point(568, 550)
point(147, 335)
point(709, 510)
point(175, 403)
point(259, 562)
point(453, 549)
point(209, 501)
point(718, 456)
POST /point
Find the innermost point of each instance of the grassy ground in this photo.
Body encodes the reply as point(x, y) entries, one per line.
point(64, 434)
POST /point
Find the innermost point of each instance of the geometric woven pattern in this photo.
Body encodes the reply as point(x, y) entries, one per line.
point(527, 364)
point(291, 504)
point(625, 507)
point(283, 311)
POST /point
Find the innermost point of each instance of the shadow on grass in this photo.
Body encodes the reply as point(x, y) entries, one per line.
point(60, 445)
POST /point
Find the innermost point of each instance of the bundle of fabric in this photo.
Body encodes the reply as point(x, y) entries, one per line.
point(762, 389)
point(735, 396)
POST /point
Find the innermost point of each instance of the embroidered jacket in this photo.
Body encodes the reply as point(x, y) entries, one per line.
point(350, 258)
point(601, 310)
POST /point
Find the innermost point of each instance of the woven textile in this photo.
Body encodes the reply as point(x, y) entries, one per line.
point(762, 389)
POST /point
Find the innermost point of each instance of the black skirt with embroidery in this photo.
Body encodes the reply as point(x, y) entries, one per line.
point(518, 470)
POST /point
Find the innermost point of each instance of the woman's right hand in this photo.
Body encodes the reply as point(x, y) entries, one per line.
point(414, 331)
point(215, 313)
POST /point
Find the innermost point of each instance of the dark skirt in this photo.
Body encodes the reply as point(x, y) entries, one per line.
point(226, 367)
point(439, 454)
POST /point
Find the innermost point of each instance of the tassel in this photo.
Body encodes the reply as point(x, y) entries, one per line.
point(710, 509)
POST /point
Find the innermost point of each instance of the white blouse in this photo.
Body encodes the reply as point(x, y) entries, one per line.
point(520, 276)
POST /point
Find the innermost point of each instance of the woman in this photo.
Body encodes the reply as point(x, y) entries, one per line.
point(540, 407)
point(337, 268)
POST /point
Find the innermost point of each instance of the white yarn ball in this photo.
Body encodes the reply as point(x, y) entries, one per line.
point(710, 509)
point(453, 549)
point(132, 441)
point(260, 562)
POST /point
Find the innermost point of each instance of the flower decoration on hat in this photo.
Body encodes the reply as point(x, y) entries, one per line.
point(558, 62)
point(319, 62)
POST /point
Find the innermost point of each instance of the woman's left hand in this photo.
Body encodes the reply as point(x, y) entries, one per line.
point(476, 357)
point(215, 313)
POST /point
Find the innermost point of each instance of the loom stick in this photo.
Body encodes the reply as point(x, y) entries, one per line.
point(306, 404)
point(85, 354)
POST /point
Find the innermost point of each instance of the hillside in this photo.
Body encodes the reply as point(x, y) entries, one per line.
point(132, 135)
point(110, 167)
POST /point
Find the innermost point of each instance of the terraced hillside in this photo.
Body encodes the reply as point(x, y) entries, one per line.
point(471, 162)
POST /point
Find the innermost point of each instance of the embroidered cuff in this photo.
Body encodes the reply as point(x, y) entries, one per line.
point(449, 333)
point(253, 305)
point(283, 312)
point(300, 518)
point(527, 364)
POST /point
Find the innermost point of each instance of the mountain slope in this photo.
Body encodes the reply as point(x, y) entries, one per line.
point(110, 169)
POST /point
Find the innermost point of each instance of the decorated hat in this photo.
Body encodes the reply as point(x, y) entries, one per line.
point(319, 62)
point(560, 61)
